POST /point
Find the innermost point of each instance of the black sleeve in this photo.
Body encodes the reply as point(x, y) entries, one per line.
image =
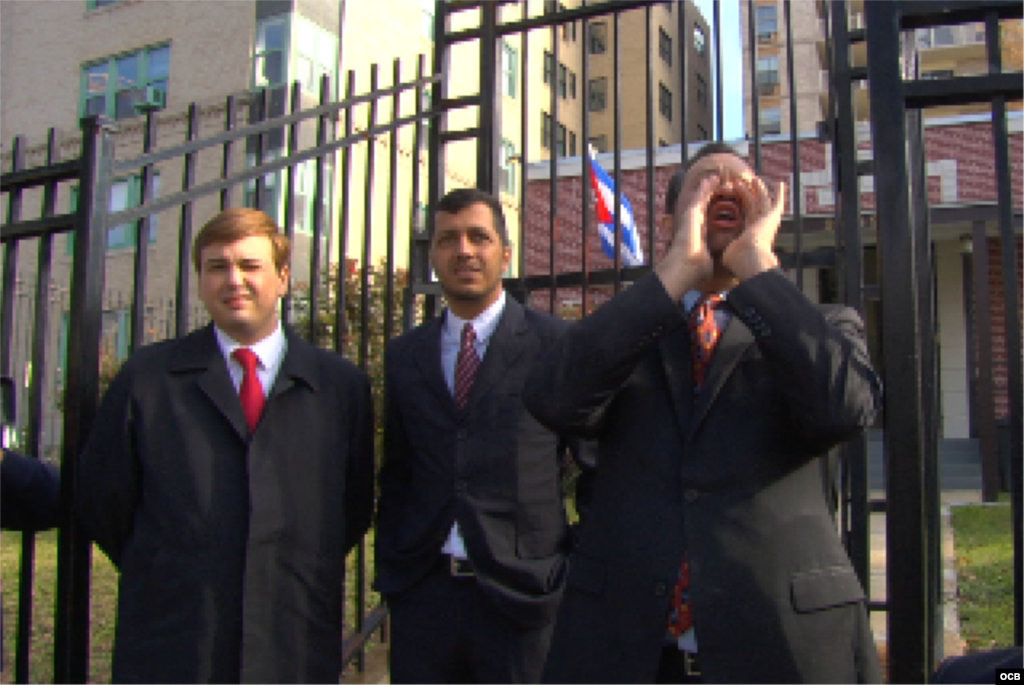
point(30, 497)
point(359, 483)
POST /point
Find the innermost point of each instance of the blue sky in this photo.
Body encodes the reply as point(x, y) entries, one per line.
point(732, 63)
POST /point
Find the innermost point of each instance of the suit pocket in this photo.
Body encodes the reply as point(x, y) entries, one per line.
point(587, 574)
point(825, 588)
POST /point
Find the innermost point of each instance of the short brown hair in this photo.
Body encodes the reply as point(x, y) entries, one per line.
point(237, 223)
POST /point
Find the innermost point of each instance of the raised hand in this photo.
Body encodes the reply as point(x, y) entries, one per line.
point(751, 252)
point(688, 260)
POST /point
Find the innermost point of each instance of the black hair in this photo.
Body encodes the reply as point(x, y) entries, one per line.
point(675, 184)
point(459, 199)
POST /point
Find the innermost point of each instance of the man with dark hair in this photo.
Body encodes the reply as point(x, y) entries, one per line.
point(471, 537)
point(228, 474)
point(714, 387)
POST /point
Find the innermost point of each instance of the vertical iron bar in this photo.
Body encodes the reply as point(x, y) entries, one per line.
point(143, 228)
point(649, 110)
point(225, 166)
point(419, 270)
point(617, 152)
point(341, 322)
point(262, 104)
point(585, 182)
point(319, 190)
point(685, 38)
point(553, 169)
point(389, 286)
point(524, 137)
point(7, 327)
point(34, 441)
point(755, 99)
point(183, 294)
point(906, 533)
point(435, 148)
point(1011, 309)
point(489, 111)
point(289, 202)
point(74, 550)
point(794, 139)
point(719, 114)
point(851, 261)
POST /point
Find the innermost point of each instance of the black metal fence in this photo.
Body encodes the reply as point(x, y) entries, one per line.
point(257, 159)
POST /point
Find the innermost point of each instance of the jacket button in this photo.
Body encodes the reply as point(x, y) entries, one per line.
point(660, 589)
point(691, 496)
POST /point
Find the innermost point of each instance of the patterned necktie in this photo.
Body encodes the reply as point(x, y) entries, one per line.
point(251, 391)
point(466, 365)
point(704, 336)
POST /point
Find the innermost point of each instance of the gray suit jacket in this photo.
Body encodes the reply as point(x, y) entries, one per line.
point(731, 476)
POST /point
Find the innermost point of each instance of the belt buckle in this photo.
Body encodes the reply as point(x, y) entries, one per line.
point(460, 568)
point(690, 665)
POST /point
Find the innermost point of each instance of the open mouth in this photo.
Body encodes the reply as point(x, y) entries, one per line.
point(724, 212)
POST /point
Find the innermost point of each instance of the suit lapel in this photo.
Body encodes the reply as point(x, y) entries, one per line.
point(735, 340)
point(298, 366)
point(503, 350)
point(199, 352)
point(427, 345)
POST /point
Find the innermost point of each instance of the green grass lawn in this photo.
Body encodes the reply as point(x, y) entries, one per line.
point(984, 554)
point(104, 603)
point(104, 600)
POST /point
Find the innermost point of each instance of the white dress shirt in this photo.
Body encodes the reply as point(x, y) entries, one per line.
point(451, 340)
point(269, 353)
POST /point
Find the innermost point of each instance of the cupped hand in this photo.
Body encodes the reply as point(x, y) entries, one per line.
point(751, 252)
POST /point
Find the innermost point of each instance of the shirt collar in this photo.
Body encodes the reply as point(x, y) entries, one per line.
point(483, 325)
point(691, 297)
point(270, 350)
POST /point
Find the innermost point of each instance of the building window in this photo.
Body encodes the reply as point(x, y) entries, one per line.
point(572, 85)
point(771, 121)
point(768, 74)
point(702, 91)
point(665, 101)
point(598, 94)
point(700, 41)
point(427, 17)
point(598, 43)
point(125, 193)
point(572, 144)
point(317, 55)
point(563, 81)
point(545, 130)
point(509, 68)
point(701, 133)
point(120, 87)
point(560, 141)
point(96, 4)
point(668, 5)
point(549, 68)
point(767, 25)
point(271, 55)
point(506, 172)
point(269, 200)
point(599, 143)
point(665, 46)
point(550, 6)
point(662, 143)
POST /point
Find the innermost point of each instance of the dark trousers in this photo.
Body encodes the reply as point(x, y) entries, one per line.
point(445, 630)
point(677, 667)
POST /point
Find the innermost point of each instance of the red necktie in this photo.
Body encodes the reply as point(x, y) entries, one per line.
point(704, 336)
point(251, 391)
point(466, 365)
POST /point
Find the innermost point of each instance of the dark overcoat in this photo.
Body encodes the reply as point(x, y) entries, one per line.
point(231, 546)
point(731, 476)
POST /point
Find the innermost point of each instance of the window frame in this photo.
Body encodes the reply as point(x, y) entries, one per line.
point(284, 50)
point(112, 88)
point(594, 92)
point(765, 36)
point(664, 101)
point(665, 46)
point(765, 123)
point(700, 45)
point(509, 68)
point(507, 151)
point(597, 35)
point(549, 68)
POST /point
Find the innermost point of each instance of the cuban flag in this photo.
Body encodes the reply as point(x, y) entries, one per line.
point(604, 191)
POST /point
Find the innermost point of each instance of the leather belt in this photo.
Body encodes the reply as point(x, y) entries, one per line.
point(461, 568)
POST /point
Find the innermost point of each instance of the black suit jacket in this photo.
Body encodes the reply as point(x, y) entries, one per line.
point(231, 545)
point(490, 466)
point(731, 476)
point(29, 494)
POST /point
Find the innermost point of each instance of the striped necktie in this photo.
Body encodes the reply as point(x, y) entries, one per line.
point(466, 365)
